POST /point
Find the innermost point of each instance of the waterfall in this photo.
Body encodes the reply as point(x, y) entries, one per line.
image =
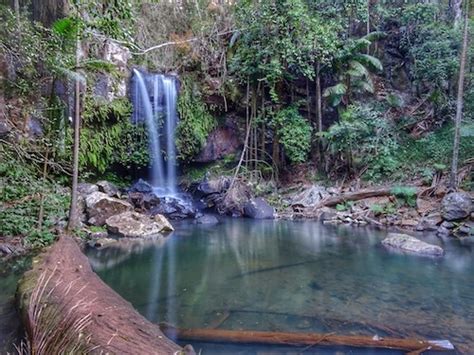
point(154, 99)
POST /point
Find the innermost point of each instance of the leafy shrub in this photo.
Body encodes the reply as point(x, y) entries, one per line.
point(365, 138)
point(195, 122)
point(405, 195)
point(20, 194)
point(294, 133)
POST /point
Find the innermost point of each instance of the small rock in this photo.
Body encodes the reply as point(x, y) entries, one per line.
point(98, 235)
point(258, 208)
point(411, 244)
point(328, 214)
point(456, 206)
point(447, 225)
point(409, 222)
point(442, 232)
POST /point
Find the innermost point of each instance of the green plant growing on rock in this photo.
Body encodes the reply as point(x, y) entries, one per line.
point(195, 121)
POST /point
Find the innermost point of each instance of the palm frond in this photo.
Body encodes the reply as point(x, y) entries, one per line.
point(338, 89)
point(370, 61)
point(357, 69)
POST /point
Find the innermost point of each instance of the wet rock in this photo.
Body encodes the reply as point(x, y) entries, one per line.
point(136, 225)
point(456, 206)
point(84, 188)
point(412, 245)
point(207, 219)
point(108, 188)
point(174, 207)
point(258, 208)
point(141, 186)
point(221, 142)
point(442, 232)
point(100, 206)
point(447, 225)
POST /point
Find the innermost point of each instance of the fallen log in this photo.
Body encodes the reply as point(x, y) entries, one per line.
point(67, 308)
point(304, 339)
point(358, 195)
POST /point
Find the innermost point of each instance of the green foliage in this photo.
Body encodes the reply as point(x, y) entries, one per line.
point(365, 138)
point(195, 122)
point(20, 195)
point(383, 209)
point(280, 40)
point(294, 133)
point(353, 69)
point(405, 194)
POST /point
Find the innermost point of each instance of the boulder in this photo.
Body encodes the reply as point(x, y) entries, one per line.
point(207, 219)
point(136, 225)
point(258, 208)
point(310, 196)
point(141, 186)
point(100, 206)
point(214, 186)
point(412, 245)
point(221, 142)
point(173, 207)
point(166, 225)
point(456, 206)
point(108, 188)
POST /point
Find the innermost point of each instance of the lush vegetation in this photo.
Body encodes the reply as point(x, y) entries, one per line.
point(349, 89)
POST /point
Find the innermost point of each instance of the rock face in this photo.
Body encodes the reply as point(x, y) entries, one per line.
point(221, 142)
point(136, 225)
point(412, 245)
point(456, 206)
point(85, 188)
point(100, 206)
point(108, 86)
point(258, 208)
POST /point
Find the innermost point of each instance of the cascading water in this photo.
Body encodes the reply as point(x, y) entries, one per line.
point(154, 98)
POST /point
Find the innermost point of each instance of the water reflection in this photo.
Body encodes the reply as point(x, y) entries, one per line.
point(296, 276)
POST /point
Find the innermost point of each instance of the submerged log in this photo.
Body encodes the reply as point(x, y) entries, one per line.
point(304, 339)
point(67, 308)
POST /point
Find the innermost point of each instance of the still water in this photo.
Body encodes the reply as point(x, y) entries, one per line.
point(294, 276)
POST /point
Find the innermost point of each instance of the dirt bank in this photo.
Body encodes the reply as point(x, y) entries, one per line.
point(66, 307)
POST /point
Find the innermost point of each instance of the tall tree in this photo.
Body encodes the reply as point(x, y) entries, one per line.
point(73, 215)
point(459, 102)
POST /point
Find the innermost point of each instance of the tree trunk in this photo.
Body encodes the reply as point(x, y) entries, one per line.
point(457, 12)
point(459, 104)
point(73, 215)
point(319, 114)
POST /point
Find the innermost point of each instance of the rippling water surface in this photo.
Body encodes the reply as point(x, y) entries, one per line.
point(294, 276)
